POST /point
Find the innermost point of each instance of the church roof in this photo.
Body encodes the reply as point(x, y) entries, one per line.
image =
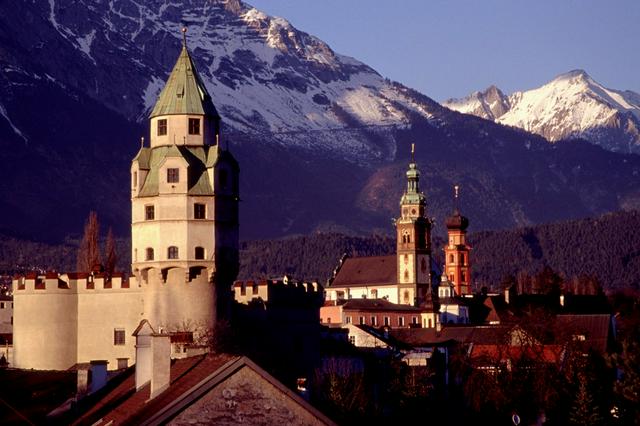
point(197, 158)
point(184, 92)
point(377, 305)
point(373, 270)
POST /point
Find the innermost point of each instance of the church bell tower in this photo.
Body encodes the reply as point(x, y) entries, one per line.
point(456, 252)
point(413, 241)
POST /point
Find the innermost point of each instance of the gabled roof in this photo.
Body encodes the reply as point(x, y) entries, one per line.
point(594, 328)
point(373, 270)
point(191, 380)
point(184, 92)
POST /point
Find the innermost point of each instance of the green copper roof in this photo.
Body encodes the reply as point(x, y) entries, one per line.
point(412, 194)
point(184, 92)
point(198, 182)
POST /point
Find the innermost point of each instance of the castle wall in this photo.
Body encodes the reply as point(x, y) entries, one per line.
point(40, 314)
point(62, 320)
point(181, 302)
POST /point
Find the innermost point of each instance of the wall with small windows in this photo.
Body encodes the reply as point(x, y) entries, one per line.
point(64, 319)
point(181, 130)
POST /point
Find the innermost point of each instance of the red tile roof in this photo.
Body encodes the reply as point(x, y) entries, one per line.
point(374, 270)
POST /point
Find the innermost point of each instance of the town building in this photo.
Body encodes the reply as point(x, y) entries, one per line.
point(184, 229)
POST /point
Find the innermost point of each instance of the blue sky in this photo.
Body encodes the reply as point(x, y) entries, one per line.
point(449, 48)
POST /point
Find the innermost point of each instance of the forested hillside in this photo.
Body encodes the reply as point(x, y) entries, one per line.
point(606, 248)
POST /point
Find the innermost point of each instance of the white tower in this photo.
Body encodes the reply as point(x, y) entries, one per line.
point(184, 207)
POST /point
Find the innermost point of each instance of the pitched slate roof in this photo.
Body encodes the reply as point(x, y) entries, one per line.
point(373, 270)
point(197, 158)
point(184, 92)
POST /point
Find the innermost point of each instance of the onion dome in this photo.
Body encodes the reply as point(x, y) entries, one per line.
point(456, 220)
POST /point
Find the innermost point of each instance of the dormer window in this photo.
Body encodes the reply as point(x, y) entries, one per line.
point(173, 175)
point(194, 126)
point(162, 127)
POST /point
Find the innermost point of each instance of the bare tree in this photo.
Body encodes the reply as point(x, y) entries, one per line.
point(112, 256)
point(89, 251)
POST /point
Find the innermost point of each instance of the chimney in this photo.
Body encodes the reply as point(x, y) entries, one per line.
point(98, 375)
point(153, 358)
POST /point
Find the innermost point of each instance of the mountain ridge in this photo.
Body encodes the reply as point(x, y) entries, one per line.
point(572, 105)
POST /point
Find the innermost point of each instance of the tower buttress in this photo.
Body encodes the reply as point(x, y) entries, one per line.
point(413, 231)
point(456, 252)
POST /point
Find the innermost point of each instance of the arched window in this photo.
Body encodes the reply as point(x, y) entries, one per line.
point(199, 252)
point(172, 252)
point(463, 277)
point(462, 258)
point(450, 258)
point(149, 253)
point(406, 275)
point(406, 297)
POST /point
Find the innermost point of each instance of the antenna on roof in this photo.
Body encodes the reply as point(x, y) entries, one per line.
point(413, 151)
point(184, 37)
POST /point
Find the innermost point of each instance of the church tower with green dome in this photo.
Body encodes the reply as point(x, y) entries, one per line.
point(184, 206)
point(413, 241)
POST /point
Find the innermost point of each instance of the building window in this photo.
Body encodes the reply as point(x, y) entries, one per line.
point(387, 321)
point(194, 126)
point(149, 212)
point(118, 336)
point(173, 175)
point(348, 320)
point(352, 340)
point(149, 254)
point(374, 320)
point(1, 305)
point(430, 323)
point(450, 258)
point(135, 180)
point(199, 211)
point(463, 277)
point(339, 295)
point(199, 253)
point(162, 127)
point(461, 258)
point(172, 252)
point(400, 321)
point(328, 320)
point(406, 296)
point(123, 363)
point(414, 320)
point(374, 294)
point(362, 320)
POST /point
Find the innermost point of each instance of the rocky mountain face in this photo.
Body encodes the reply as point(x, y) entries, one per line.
point(573, 105)
point(322, 139)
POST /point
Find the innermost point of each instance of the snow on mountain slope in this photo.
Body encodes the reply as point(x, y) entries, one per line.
point(265, 76)
point(571, 105)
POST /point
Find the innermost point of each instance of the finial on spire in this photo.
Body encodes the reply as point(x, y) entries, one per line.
point(456, 188)
point(413, 151)
point(142, 142)
point(184, 37)
point(456, 193)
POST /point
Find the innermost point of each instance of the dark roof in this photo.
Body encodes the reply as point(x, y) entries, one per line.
point(374, 270)
point(377, 305)
point(457, 221)
point(595, 328)
point(462, 334)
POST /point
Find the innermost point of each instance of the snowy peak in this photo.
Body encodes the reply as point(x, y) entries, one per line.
point(572, 105)
point(490, 103)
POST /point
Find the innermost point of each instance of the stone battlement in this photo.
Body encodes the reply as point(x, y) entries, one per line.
point(71, 282)
point(276, 290)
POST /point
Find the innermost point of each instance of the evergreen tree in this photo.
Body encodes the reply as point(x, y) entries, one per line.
point(89, 251)
point(584, 411)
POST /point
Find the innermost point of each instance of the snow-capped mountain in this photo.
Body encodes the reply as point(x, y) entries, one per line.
point(322, 139)
point(573, 105)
